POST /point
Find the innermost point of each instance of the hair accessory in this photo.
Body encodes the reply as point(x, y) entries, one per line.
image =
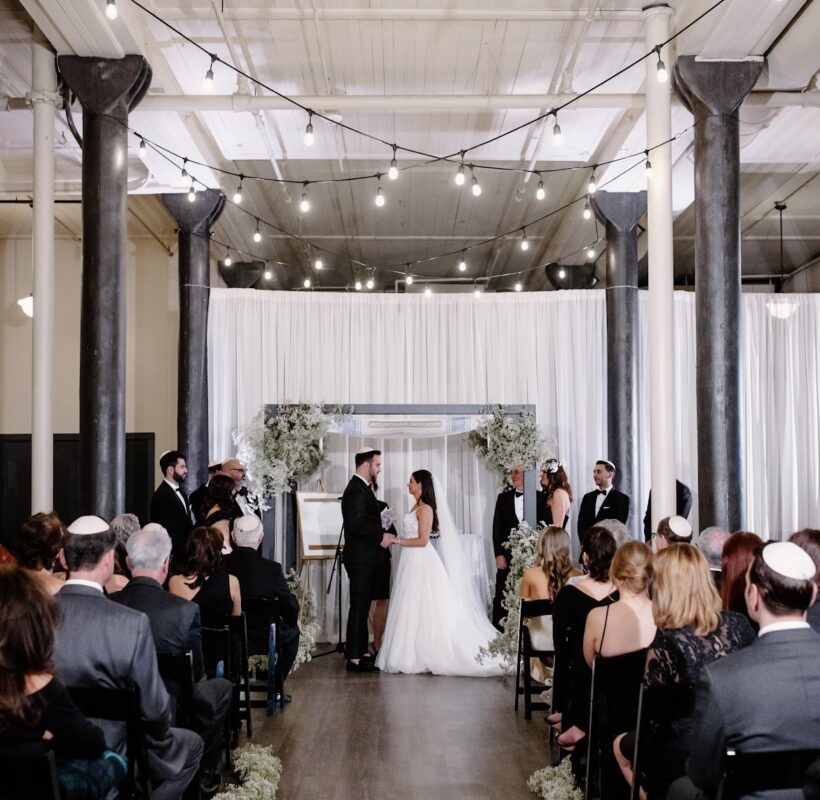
point(789, 560)
point(552, 465)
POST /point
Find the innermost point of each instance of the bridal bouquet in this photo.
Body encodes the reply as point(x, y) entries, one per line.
point(389, 518)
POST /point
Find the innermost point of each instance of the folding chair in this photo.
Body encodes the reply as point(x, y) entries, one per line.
point(530, 609)
point(28, 776)
point(772, 770)
point(216, 649)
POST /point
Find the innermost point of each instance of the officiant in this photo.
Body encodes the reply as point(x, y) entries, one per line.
point(509, 512)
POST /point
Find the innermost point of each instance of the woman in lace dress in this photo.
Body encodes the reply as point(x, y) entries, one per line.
point(436, 622)
point(692, 633)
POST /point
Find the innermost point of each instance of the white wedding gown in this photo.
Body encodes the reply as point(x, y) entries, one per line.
point(432, 626)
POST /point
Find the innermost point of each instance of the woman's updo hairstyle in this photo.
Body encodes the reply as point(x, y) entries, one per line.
point(599, 545)
point(632, 567)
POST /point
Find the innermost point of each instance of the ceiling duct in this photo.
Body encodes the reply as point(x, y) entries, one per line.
point(571, 276)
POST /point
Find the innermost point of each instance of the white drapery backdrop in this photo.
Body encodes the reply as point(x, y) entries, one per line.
point(545, 349)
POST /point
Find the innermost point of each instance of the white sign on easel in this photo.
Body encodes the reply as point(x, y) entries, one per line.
point(319, 522)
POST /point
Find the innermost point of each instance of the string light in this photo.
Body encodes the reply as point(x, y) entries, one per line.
point(370, 282)
point(257, 234)
point(393, 172)
point(268, 274)
point(476, 186)
point(192, 193)
point(228, 260)
point(562, 273)
point(208, 83)
point(184, 174)
point(460, 173)
point(590, 252)
point(237, 195)
point(143, 148)
point(518, 287)
point(318, 264)
point(427, 291)
point(309, 130)
point(408, 279)
point(592, 186)
point(111, 9)
point(304, 203)
point(557, 137)
point(477, 293)
point(662, 74)
point(648, 164)
point(379, 194)
point(306, 283)
point(587, 209)
point(358, 285)
point(525, 245)
point(462, 265)
point(540, 194)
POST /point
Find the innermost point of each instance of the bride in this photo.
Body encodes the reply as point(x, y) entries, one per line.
point(437, 621)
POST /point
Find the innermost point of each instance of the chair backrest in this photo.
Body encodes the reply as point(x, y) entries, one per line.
point(28, 776)
point(774, 770)
point(536, 608)
point(177, 672)
point(216, 647)
point(262, 612)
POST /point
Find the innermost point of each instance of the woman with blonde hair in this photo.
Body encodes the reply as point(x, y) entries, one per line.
point(693, 631)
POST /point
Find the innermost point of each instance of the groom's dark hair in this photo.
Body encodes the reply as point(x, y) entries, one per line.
point(362, 458)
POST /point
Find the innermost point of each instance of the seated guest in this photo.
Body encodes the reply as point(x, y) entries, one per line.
point(710, 543)
point(176, 629)
point(692, 632)
point(620, 533)
point(220, 509)
point(672, 530)
point(103, 644)
point(683, 505)
point(36, 712)
point(552, 502)
point(571, 676)
point(260, 577)
point(553, 568)
point(197, 499)
point(41, 539)
point(809, 540)
point(766, 696)
point(124, 527)
point(204, 581)
point(738, 553)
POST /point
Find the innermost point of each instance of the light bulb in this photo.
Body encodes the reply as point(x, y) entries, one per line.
point(462, 265)
point(525, 245)
point(557, 136)
point(393, 172)
point(460, 175)
point(590, 253)
point(379, 197)
point(539, 192)
point(319, 264)
point(562, 273)
point(183, 176)
point(304, 203)
point(477, 294)
point(358, 285)
point(143, 148)
point(427, 291)
point(592, 186)
point(518, 286)
point(111, 9)
point(191, 194)
point(208, 83)
point(306, 283)
point(648, 168)
point(587, 209)
point(237, 195)
point(662, 74)
point(370, 283)
point(268, 274)
point(27, 305)
point(228, 260)
point(476, 187)
point(309, 131)
point(409, 280)
point(257, 235)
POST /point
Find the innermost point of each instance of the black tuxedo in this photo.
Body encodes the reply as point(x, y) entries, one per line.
point(361, 557)
point(261, 577)
point(176, 629)
point(504, 520)
point(168, 511)
point(197, 501)
point(615, 506)
point(683, 505)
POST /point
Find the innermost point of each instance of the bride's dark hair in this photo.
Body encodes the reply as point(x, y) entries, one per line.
point(428, 493)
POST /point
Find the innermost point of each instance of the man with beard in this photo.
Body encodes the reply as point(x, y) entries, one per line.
point(170, 507)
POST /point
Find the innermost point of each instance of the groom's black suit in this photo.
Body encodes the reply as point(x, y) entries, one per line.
point(361, 556)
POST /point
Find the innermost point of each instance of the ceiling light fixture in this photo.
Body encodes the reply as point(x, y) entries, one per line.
point(460, 173)
point(309, 130)
point(208, 83)
point(587, 209)
point(111, 9)
point(540, 194)
point(318, 264)
point(592, 186)
point(562, 273)
point(427, 291)
point(228, 260)
point(648, 164)
point(518, 287)
point(358, 285)
point(304, 203)
point(393, 172)
point(462, 265)
point(191, 194)
point(525, 245)
point(268, 274)
point(306, 283)
point(379, 193)
point(143, 148)
point(257, 234)
point(662, 74)
point(557, 136)
point(476, 187)
point(237, 195)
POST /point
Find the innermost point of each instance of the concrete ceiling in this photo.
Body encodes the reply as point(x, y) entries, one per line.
point(436, 80)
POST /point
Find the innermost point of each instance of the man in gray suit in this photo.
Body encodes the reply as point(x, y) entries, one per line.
point(766, 696)
point(104, 644)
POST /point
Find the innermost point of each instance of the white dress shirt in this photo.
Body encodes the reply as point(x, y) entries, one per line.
point(519, 507)
point(599, 500)
point(81, 582)
point(178, 493)
point(786, 625)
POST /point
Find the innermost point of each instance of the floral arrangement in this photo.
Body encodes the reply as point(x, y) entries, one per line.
point(389, 518)
point(280, 448)
point(505, 441)
point(258, 772)
point(522, 543)
point(308, 627)
point(555, 783)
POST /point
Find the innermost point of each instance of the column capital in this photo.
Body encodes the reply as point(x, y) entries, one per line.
point(106, 85)
point(656, 9)
point(719, 86)
point(196, 216)
point(622, 210)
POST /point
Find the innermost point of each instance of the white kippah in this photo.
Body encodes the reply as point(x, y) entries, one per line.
point(215, 465)
point(250, 523)
point(85, 526)
point(608, 463)
point(680, 527)
point(789, 560)
point(366, 449)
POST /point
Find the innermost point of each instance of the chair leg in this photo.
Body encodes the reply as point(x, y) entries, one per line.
point(518, 670)
point(527, 688)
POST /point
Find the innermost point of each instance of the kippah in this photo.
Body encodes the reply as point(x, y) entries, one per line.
point(366, 449)
point(680, 527)
point(85, 526)
point(789, 560)
point(232, 462)
point(248, 523)
point(607, 462)
point(215, 465)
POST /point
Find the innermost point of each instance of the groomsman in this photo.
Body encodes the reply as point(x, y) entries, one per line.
point(605, 502)
point(509, 511)
point(169, 505)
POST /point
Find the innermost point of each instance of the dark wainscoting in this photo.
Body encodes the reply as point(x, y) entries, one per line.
point(15, 479)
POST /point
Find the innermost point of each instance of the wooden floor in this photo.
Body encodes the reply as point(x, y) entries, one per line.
point(401, 737)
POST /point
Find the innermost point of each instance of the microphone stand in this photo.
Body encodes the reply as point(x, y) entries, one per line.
point(337, 564)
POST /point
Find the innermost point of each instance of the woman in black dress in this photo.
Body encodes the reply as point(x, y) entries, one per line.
point(571, 675)
point(36, 711)
point(553, 501)
point(220, 508)
point(692, 633)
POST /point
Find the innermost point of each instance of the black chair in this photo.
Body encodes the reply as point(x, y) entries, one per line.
point(530, 609)
point(120, 705)
point(177, 673)
point(27, 776)
point(238, 626)
point(217, 649)
point(268, 608)
point(768, 771)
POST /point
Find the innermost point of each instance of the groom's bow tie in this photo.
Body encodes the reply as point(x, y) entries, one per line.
point(601, 491)
point(519, 494)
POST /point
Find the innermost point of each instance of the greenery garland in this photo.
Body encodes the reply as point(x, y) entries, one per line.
point(555, 783)
point(521, 542)
point(505, 441)
point(257, 771)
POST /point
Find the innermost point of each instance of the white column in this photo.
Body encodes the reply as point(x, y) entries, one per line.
point(661, 273)
point(43, 100)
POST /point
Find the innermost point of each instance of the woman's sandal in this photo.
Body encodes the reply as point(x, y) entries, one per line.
point(570, 739)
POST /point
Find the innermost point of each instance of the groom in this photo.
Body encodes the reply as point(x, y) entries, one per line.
point(364, 539)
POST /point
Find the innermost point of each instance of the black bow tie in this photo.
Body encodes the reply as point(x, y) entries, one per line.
point(602, 491)
point(519, 494)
